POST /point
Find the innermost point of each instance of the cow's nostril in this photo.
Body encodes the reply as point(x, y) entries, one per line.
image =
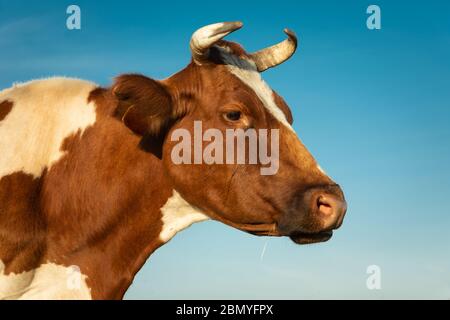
point(331, 208)
point(324, 206)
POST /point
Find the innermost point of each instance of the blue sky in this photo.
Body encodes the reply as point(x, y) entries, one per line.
point(372, 106)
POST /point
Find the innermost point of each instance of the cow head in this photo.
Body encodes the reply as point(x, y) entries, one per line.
point(222, 89)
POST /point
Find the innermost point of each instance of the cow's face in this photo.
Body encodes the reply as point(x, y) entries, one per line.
point(222, 90)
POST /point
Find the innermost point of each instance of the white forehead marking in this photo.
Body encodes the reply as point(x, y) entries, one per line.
point(44, 113)
point(48, 282)
point(246, 71)
point(178, 214)
point(321, 170)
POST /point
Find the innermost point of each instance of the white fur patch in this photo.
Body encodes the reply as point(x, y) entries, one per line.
point(177, 215)
point(44, 113)
point(246, 71)
point(48, 282)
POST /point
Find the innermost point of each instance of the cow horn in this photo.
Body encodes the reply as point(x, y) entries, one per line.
point(205, 37)
point(276, 54)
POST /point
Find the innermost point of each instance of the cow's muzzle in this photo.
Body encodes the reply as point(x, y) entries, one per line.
point(314, 215)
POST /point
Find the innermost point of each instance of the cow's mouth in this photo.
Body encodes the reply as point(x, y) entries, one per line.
point(306, 238)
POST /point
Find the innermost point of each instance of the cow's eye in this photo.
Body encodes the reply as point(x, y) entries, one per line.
point(233, 115)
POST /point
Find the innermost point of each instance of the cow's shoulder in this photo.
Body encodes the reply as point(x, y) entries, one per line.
point(37, 117)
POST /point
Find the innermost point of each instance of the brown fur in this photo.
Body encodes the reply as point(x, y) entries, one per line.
point(22, 227)
point(5, 108)
point(87, 208)
point(144, 104)
point(104, 204)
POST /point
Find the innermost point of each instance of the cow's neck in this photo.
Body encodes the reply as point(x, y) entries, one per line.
point(140, 207)
point(102, 212)
point(121, 255)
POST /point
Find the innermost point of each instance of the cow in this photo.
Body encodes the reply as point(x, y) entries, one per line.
point(88, 188)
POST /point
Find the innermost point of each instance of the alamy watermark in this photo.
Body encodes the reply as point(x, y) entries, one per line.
point(373, 281)
point(234, 143)
point(373, 22)
point(73, 21)
point(74, 278)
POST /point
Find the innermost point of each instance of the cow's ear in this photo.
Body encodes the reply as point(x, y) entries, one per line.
point(144, 104)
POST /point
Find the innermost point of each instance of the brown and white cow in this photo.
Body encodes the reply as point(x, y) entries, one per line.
point(88, 189)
